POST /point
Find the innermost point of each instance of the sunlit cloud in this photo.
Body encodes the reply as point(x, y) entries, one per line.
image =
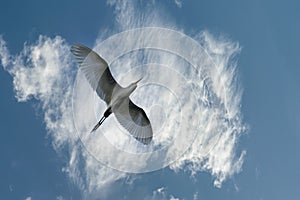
point(46, 71)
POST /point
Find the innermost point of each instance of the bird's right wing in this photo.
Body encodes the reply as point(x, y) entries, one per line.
point(96, 71)
point(134, 120)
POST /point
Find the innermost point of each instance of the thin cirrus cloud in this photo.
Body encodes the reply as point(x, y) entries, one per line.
point(178, 3)
point(46, 71)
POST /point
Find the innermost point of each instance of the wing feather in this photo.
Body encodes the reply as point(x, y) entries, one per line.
point(96, 71)
point(134, 120)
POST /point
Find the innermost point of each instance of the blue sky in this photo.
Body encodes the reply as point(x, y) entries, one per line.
point(267, 66)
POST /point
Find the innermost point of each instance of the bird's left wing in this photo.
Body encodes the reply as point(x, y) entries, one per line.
point(96, 71)
point(134, 120)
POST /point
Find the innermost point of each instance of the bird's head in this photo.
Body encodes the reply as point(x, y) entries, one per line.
point(133, 85)
point(136, 82)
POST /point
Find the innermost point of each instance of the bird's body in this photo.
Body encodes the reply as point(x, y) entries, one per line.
point(120, 93)
point(129, 115)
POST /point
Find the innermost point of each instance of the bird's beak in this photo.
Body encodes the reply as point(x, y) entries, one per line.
point(138, 80)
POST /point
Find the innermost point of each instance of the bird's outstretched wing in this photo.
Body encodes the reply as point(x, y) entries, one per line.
point(134, 120)
point(96, 71)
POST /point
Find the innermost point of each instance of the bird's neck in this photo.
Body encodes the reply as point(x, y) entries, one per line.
point(130, 89)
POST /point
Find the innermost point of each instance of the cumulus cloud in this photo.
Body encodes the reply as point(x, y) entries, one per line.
point(46, 71)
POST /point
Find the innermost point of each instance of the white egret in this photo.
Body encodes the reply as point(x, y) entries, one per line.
point(116, 97)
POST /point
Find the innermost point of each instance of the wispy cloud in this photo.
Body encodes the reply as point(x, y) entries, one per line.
point(46, 71)
point(195, 197)
point(221, 116)
point(59, 198)
point(4, 53)
point(178, 3)
point(223, 126)
point(161, 194)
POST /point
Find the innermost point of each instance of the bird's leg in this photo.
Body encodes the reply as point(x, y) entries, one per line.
point(107, 112)
point(98, 124)
point(105, 115)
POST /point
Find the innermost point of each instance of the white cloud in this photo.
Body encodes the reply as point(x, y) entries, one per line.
point(161, 194)
point(59, 198)
point(10, 187)
point(4, 53)
point(195, 197)
point(28, 198)
point(224, 124)
point(215, 150)
point(178, 3)
point(128, 15)
point(46, 71)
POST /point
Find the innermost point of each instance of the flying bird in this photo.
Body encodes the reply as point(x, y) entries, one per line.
point(116, 97)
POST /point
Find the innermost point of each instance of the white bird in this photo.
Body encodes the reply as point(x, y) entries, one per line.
point(129, 115)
